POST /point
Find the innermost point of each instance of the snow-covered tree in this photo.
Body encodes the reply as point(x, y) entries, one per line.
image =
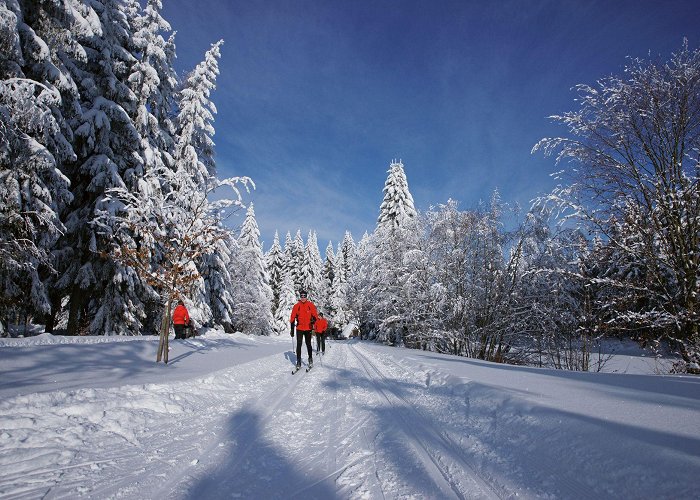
point(635, 140)
point(328, 277)
point(167, 260)
point(38, 97)
point(274, 264)
point(286, 303)
point(194, 152)
point(252, 293)
point(394, 236)
point(215, 269)
point(397, 205)
point(104, 296)
point(313, 269)
point(295, 260)
point(340, 313)
point(33, 190)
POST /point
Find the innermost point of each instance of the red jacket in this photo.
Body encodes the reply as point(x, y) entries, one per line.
point(305, 313)
point(321, 325)
point(180, 315)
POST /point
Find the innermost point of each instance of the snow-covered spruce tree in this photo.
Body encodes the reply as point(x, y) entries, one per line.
point(153, 80)
point(286, 303)
point(397, 205)
point(313, 270)
point(274, 264)
point(296, 261)
point(195, 147)
point(340, 314)
point(328, 277)
point(392, 238)
point(215, 270)
point(105, 297)
point(33, 190)
point(636, 139)
point(349, 250)
point(252, 293)
point(290, 258)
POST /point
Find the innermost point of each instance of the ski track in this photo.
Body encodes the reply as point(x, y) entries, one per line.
point(452, 471)
point(484, 424)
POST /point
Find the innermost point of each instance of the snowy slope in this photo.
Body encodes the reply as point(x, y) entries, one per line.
point(98, 418)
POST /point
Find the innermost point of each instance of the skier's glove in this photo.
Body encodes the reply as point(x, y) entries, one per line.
point(291, 329)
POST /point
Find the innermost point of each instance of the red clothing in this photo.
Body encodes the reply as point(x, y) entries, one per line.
point(180, 315)
point(321, 325)
point(304, 313)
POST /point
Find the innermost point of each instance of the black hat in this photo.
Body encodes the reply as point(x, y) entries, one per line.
point(302, 293)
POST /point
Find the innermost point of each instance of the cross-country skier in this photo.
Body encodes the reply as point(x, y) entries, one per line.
point(304, 314)
point(320, 330)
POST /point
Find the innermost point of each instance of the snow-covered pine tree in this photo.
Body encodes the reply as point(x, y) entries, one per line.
point(328, 275)
point(195, 146)
point(113, 298)
point(289, 257)
point(349, 250)
point(397, 205)
point(313, 281)
point(339, 312)
point(274, 264)
point(296, 262)
point(360, 296)
point(153, 80)
point(252, 293)
point(33, 190)
point(215, 269)
point(393, 237)
point(286, 303)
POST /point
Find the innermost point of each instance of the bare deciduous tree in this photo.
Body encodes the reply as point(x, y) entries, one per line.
point(632, 179)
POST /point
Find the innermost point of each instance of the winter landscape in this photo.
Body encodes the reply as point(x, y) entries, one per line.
point(498, 336)
point(95, 417)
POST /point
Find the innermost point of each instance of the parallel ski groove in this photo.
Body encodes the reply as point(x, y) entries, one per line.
point(449, 444)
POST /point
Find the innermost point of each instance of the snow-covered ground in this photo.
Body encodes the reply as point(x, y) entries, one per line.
point(98, 418)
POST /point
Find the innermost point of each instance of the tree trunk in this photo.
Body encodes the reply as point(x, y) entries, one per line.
point(164, 334)
point(74, 309)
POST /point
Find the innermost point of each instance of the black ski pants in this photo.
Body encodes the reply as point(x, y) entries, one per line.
point(307, 338)
point(320, 342)
point(179, 331)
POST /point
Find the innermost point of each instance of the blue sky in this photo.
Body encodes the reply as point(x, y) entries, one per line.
point(316, 97)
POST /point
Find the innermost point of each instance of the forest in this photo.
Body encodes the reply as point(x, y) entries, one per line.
point(107, 168)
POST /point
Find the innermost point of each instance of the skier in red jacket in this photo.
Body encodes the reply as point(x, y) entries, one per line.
point(304, 314)
point(181, 319)
point(320, 330)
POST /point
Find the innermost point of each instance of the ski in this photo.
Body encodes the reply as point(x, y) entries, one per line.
point(296, 369)
point(309, 367)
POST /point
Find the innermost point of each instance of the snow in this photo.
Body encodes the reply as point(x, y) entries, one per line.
point(96, 417)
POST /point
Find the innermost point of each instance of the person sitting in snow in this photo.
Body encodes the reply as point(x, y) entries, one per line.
point(304, 314)
point(181, 319)
point(320, 330)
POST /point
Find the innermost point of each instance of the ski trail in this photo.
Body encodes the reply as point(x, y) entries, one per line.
point(435, 447)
